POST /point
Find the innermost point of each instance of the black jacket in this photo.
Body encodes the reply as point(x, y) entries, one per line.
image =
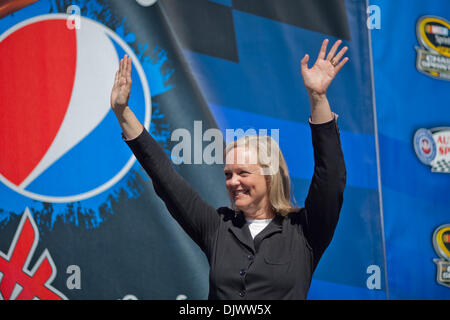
point(280, 261)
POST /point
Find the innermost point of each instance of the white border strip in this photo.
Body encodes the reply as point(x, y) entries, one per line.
point(377, 151)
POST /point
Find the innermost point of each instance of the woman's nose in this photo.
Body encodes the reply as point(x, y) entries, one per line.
point(234, 180)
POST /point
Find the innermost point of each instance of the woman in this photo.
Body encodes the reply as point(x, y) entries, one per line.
point(263, 248)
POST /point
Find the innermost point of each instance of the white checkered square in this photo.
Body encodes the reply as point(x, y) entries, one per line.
point(441, 166)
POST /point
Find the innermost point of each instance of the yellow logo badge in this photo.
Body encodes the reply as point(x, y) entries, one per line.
point(433, 55)
point(441, 243)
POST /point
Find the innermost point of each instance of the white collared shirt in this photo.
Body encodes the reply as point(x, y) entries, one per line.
point(257, 225)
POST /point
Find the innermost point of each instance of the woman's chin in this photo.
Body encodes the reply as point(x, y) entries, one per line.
point(240, 205)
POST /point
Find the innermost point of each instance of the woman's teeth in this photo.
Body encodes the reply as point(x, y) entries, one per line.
point(240, 192)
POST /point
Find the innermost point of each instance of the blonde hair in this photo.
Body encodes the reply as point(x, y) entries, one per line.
point(277, 174)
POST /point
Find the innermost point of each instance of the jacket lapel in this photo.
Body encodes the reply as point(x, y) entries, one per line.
point(239, 228)
point(276, 225)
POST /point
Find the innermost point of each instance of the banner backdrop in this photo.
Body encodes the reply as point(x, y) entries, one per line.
point(79, 218)
point(412, 72)
point(245, 56)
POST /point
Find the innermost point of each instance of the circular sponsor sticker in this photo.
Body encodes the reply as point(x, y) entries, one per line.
point(424, 146)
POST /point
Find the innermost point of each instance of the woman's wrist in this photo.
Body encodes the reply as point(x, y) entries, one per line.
point(119, 109)
point(316, 97)
point(130, 125)
point(320, 108)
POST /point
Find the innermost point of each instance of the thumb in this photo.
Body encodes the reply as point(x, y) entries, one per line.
point(304, 62)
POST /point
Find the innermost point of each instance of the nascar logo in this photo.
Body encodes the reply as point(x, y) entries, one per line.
point(433, 55)
point(59, 139)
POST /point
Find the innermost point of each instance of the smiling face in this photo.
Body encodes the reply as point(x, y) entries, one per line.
point(247, 187)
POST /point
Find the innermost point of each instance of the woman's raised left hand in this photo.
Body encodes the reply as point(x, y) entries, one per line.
point(321, 74)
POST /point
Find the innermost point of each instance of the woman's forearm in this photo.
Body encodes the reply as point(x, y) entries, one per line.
point(131, 127)
point(320, 108)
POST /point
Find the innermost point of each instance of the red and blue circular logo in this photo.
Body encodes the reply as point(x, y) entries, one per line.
point(60, 141)
point(424, 146)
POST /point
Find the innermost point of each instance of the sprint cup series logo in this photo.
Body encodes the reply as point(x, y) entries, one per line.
point(441, 243)
point(433, 56)
point(432, 147)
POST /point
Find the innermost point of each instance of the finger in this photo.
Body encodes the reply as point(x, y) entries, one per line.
point(340, 65)
point(323, 49)
point(333, 50)
point(129, 70)
point(120, 67)
point(124, 66)
point(116, 77)
point(304, 62)
point(340, 55)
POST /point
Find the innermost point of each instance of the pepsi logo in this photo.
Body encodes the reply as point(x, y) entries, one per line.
point(59, 139)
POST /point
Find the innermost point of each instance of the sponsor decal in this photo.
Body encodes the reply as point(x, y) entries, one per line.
point(51, 129)
point(17, 279)
point(432, 147)
point(62, 156)
point(433, 55)
point(441, 244)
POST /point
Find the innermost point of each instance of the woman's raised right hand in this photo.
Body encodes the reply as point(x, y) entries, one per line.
point(122, 85)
